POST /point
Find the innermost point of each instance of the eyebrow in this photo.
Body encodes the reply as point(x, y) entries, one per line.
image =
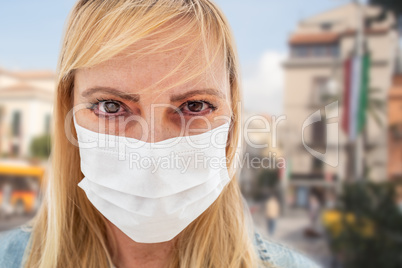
point(136, 97)
point(207, 91)
point(127, 96)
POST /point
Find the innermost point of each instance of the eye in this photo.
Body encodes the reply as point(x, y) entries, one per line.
point(197, 107)
point(110, 107)
point(107, 108)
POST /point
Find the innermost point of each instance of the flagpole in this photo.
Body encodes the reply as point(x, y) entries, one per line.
point(358, 146)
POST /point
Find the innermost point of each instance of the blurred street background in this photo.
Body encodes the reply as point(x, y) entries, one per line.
point(322, 87)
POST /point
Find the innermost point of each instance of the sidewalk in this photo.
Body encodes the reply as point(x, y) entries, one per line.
point(289, 231)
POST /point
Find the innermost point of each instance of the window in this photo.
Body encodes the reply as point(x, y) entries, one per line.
point(319, 133)
point(315, 51)
point(300, 51)
point(317, 165)
point(326, 26)
point(319, 51)
point(318, 138)
point(334, 51)
point(16, 124)
point(320, 90)
point(396, 132)
point(15, 149)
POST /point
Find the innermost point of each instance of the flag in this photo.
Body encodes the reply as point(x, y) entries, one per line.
point(364, 92)
point(347, 73)
point(355, 95)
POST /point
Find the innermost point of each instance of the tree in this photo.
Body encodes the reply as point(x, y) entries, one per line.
point(394, 6)
point(368, 233)
point(391, 5)
point(40, 147)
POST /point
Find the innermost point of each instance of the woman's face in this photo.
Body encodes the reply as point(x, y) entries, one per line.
point(124, 89)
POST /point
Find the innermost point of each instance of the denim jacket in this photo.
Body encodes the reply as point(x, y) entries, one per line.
point(14, 242)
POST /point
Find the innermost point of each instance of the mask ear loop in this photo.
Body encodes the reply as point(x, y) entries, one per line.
point(75, 120)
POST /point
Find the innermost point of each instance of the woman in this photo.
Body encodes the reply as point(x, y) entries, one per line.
point(142, 73)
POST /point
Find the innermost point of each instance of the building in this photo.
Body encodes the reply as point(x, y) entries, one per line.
point(395, 129)
point(262, 155)
point(314, 78)
point(26, 100)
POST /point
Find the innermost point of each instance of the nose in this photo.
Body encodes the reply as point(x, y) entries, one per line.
point(154, 124)
point(157, 128)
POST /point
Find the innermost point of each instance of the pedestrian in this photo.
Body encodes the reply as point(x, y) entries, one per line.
point(272, 211)
point(314, 211)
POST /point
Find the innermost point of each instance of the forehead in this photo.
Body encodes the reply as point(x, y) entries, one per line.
point(175, 66)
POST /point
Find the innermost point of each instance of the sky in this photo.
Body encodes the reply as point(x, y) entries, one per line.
point(31, 31)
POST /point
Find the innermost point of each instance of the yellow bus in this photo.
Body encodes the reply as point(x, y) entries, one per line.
point(19, 187)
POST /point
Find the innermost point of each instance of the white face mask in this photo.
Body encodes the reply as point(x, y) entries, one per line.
point(152, 191)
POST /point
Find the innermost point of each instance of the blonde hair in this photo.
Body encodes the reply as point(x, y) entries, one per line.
point(68, 231)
